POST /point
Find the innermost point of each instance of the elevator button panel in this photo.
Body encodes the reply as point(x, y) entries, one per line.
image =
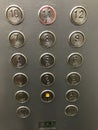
point(48, 65)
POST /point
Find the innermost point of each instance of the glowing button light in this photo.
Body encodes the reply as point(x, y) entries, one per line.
point(47, 95)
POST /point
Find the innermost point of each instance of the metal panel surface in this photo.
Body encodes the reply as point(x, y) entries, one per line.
point(87, 116)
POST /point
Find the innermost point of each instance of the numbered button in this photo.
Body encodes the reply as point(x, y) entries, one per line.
point(71, 110)
point(18, 60)
point(47, 39)
point(23, 112)
point(78, 15)
point(16, 39)
point(14, 14)
point(77, 39)
point(75, 59)
point(47, 79)
point(47, 60)
point(20, 79)
point(73, 78)
point(72, 95)
point(47, 15)
point(22, 96)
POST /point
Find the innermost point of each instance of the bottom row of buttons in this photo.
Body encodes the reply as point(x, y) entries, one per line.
point(24, 111)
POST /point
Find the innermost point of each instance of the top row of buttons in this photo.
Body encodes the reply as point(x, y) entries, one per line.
point(47, 15)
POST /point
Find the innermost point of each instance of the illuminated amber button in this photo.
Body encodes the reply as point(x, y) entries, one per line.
point(47, 96)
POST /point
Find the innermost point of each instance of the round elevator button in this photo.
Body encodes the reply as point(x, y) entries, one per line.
point(23, 112)
point(16, 39)
point(78, 15)
point(47, 96)
point(18, 60)
point(47, 60)
point(71, 110)
point(72, 95)
point(20, 79)
point(47, 15)
point(75, 59)
point(22, 96)
point(47, 39)
point(14, 14)
point(73, 78)
point(76, 39)
point(47, 79)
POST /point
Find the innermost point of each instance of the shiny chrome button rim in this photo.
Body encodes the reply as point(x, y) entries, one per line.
point(47, 60)
point(78, 15)
point(14, 14)
point(75, 59)
point(23, 112)
point(17, 79)
point(47, 99)
point(22, 96)
point(47, 79)
point(18, 60)
point(72, 95)
point(47, 39)
point(16, 39)
point(71, 110)
point(73, 78)
point(77, 39)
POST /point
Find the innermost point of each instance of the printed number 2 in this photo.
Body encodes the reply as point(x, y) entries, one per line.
point(79, 14)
